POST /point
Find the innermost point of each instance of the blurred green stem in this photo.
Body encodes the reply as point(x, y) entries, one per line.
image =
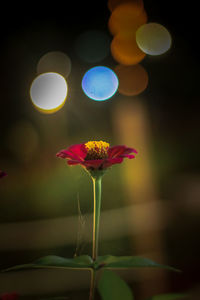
point(96, 216)
point(96, 220)
point(92, 284)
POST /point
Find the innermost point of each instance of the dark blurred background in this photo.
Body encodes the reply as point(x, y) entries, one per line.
point(150, 205)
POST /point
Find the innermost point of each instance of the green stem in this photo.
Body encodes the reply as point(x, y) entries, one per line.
point(92, 284)
point(96, 218)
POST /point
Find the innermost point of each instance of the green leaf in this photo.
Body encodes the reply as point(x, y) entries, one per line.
point(168, 297)
point(52, 261)
point(112, 287)
point(121, 262)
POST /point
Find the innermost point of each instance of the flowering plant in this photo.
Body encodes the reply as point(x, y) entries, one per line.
point(96, 157)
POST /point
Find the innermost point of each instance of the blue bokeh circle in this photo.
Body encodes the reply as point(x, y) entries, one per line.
point(100, 83)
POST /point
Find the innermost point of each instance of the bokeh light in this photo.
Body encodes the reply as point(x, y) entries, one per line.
point(100, 83)
point(112, 4)
point(125, 50)
point(55, 61)
point(127, 17)
point(133, 80)
point(92, 46)
point(153, 38)
point(48, 92)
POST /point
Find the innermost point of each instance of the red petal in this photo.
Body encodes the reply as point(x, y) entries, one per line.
point(115, 151)
point(130, 150)
point(112, 161)
point(95, 163)
point(74, 162)
point(119, 151)
point(79, 150)
point(130, 156)
point(65, 154)
point(76, 151)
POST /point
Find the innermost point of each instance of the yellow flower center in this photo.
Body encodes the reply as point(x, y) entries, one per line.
point(96, 150)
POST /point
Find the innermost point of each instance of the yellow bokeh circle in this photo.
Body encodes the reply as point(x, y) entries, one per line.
point(153, 38)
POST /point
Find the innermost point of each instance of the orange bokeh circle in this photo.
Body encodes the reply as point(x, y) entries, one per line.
point(125, 50)
point(126, 17)
point(133, 80)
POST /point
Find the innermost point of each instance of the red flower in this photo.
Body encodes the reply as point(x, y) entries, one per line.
point(96, 155)
point(2, 174)
point(9, 296)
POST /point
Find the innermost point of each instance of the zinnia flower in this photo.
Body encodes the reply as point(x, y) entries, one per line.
point(2, 174)
point(96, 155)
